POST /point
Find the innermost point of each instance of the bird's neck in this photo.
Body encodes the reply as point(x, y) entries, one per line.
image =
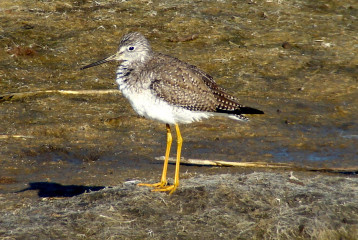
point(125, 74)
point(122, 73)
point(127, 69)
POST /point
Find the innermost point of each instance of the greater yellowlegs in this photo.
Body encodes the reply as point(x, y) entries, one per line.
point(163, 88)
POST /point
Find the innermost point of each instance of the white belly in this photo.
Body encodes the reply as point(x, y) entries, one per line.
point(149, 106)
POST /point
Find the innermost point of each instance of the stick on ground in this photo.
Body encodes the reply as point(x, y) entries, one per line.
point(287, 166)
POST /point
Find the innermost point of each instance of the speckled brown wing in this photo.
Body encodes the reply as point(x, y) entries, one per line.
point(180, 85)
point(187, 86)
point(225, 103)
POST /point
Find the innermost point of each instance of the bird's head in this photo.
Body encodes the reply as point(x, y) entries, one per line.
point(133, 47)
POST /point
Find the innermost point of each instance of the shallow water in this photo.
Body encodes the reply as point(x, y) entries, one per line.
point(295, 60)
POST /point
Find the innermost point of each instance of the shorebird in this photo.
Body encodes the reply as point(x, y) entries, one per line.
point(166, 89)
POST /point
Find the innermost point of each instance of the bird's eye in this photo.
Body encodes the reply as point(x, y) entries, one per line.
point(131, 48)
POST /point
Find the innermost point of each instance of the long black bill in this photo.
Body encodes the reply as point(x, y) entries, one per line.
point(95, 63)
point(107, 59)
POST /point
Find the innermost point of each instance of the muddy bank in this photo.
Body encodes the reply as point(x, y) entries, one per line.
point(258, 205)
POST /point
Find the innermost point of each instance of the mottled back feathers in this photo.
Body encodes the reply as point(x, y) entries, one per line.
point(185, 85)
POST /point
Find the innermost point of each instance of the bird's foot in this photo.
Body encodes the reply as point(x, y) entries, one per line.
point(153, 185)
point(160, 187)
point(168, 188)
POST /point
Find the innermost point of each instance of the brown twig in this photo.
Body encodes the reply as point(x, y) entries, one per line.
point(20, 95)
point(287, 166)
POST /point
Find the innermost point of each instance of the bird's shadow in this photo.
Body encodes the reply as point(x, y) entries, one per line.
point(50, 189)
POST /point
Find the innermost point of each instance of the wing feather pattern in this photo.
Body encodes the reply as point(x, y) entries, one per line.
point(187, 86)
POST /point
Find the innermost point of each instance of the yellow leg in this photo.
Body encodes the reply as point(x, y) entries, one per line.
point(163, 181)
point(172, 188)
point(180, 143)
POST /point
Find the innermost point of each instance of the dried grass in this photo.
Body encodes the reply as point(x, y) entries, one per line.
point(260, 205)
